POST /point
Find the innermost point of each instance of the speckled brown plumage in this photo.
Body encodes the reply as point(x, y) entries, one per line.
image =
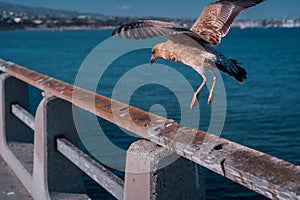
point(216, 18)
point(193, 47)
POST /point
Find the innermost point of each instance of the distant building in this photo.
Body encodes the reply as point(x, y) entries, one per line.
point(17, 19)
point(48, 18)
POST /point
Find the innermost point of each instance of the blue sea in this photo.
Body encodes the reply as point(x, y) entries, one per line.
point(263, 113)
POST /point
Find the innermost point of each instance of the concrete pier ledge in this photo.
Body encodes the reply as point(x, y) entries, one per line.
point(10, 186)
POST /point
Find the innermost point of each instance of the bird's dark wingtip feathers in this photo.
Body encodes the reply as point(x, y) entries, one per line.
point(119, 30)
point(126, 30)
point(115, 32)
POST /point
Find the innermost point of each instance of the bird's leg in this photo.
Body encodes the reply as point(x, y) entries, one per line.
point(211, 94)
point(196, 94)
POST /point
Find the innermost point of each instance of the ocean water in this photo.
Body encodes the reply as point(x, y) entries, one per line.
point(263, 113)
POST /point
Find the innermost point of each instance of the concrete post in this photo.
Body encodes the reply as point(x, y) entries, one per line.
point(153, 173)
point(13, 91)
point(52, 171)
point(12, 130)
point(53, 176)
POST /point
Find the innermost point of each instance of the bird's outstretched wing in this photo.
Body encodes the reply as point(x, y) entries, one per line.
point(144, 29)
point(216, 18)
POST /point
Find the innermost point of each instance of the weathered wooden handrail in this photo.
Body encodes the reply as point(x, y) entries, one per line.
point(267, 175)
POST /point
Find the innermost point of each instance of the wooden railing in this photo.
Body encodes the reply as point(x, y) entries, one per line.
point(56, 164)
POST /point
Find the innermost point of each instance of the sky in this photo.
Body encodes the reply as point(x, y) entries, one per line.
point(269, 9)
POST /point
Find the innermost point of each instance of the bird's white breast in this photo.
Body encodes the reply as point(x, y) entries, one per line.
point(194, 56)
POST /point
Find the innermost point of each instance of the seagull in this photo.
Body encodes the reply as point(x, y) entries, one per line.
point(195, 46)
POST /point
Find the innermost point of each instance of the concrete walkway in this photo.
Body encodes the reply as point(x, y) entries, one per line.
point(10, 186)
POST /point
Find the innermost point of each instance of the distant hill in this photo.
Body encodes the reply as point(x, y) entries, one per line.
point(42, 11)
point(13, 16)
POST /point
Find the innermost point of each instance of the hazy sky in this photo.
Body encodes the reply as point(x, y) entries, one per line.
point(164, 8)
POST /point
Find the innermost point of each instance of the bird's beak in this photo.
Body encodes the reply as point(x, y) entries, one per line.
point(152, 60)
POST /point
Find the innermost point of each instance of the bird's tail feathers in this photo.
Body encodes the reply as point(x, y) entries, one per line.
point(233, 68)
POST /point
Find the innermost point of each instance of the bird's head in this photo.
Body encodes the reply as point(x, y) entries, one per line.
point(154, 55)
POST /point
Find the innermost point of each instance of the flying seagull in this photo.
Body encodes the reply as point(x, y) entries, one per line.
point(194, 47)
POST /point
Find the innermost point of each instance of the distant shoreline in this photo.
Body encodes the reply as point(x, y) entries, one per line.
point(18, 17)
point(79, 28)
point(62, 29)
